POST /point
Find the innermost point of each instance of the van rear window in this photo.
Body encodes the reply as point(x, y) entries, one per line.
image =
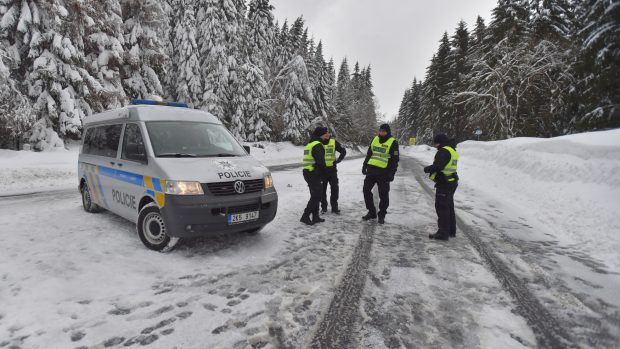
point(102, 140)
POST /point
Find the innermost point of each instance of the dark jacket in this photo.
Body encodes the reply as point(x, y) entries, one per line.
point(342, 151)
point(442, 158)
point(318, 153)
point(390, 171)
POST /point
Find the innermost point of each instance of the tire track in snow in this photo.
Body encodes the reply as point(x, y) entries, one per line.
point(548, 331)
point(336, 328)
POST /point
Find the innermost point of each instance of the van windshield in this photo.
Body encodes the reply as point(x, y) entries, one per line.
point(192, 139)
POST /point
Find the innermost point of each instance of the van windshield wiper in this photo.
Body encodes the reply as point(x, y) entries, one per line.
point(221, 155)
point(176, 155)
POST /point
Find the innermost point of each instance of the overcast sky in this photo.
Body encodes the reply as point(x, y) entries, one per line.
point(397, 37)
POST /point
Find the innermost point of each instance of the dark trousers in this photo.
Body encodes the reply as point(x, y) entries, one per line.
point(316, 190)
point(384, 193)
point(330, 178)
point(444, 205)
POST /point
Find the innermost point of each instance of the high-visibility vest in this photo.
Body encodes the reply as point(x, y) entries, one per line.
point(309, 160)
point(450, 170)
point(330, 152)
point(380, 152)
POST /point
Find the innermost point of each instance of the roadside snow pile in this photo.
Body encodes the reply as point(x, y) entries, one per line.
point(282, 153)
point(27, 171)
point(270, 154)
point(568, 187)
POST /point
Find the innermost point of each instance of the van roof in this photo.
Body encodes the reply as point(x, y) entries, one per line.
point(151, 113)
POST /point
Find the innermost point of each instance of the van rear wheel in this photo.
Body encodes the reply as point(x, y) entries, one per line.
point(152, 230)
point(87, 201)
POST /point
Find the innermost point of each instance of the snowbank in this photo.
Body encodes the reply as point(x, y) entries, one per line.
point(568, 186)
point(280, 153)
point(27, 171)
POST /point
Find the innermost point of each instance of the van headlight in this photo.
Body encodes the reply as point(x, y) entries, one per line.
point(183, 188)
point(268, 182)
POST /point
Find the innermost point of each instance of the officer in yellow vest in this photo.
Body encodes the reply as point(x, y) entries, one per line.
point(331, 173)
point(380, 167)
point(443, 173)
point(314, 169)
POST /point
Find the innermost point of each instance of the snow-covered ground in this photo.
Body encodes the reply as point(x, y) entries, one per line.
point(549, 209)
point(544, 208)
point(567, 187)
point(77, 279)
point(27, 171)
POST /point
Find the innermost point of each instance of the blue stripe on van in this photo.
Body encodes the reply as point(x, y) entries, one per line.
point(157, 184)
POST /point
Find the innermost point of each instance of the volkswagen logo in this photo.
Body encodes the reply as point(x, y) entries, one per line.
point(239, 187)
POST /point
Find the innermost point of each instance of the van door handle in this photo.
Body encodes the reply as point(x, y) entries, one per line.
point(120, 165)
point(112, 163)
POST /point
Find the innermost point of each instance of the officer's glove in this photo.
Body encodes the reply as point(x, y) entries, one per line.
point(427, 169)
point(364, 169)
point(391, 178)
point(338, 161)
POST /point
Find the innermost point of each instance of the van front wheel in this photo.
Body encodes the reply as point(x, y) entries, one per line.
point(152, 230)
point(87, 201)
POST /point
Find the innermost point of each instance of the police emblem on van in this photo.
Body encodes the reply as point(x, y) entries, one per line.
point(224, 164)
point(239, 187)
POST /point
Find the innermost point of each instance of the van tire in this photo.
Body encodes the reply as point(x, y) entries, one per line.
point(87, 201)
point(152, 229)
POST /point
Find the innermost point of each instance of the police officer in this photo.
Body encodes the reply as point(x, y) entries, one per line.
point(314, 169)
point(443, 173)
point(380, 167)
point(331, 173)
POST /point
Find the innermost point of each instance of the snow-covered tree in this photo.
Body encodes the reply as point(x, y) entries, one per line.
point(295, 102)
point(16, 116)
point(261, 35)
point(144, 27)
point(104, 51)
point(599, 65)
point(185, 76)
point(220, 38)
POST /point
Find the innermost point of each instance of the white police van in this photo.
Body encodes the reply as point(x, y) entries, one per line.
point(174, 171)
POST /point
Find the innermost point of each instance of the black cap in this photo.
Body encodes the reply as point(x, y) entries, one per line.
point(441, 138)
point(319, 131)
point(386, 128)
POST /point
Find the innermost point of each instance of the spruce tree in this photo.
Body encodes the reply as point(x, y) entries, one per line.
point(187, 83)
point(144, 26)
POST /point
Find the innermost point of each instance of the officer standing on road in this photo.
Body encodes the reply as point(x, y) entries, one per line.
point(331, 173)
point(314, 169)
point(443, 173)
point(380, 167)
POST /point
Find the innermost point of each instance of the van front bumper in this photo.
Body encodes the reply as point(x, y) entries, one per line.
point(193, 216)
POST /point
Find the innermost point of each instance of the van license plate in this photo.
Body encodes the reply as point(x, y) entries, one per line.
point(242, 217)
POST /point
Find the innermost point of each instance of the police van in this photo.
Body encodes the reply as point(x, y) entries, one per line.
point(174, 171)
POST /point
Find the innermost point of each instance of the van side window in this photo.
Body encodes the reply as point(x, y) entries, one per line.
point(133, 145)
point(102, 140)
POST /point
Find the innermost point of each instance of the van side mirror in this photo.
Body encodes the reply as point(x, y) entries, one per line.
point(247, 148)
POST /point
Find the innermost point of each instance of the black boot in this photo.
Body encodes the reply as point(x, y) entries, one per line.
point(324, 210)
point(316, 218)
point(370, 215)
point(306, 219)
point(381, 219)
point(335, 210)
point(436, 236)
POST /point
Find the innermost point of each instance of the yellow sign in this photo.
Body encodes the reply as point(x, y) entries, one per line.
point(412, 141)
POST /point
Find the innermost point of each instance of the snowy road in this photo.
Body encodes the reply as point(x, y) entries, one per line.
point(71, 279)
